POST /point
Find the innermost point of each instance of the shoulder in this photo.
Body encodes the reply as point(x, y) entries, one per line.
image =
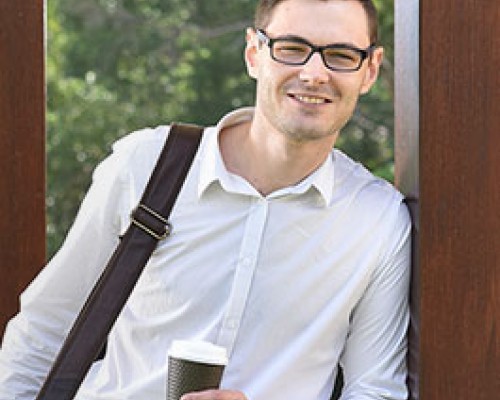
point(146, 142)
point(367, 195)
point(142, 148)
point(135, 153)
point(352, 178)
point(373, 207)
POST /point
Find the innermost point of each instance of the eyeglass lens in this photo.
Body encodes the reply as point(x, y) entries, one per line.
point(296, 53)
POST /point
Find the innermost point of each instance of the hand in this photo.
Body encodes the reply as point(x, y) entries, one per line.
point(215, 395)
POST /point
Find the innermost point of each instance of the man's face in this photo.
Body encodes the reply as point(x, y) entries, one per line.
point(311, 102)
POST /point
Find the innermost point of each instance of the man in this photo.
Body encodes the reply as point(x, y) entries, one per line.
point(288, 254)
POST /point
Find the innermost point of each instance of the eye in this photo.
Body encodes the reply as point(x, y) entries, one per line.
point(288, 47)
point(343, 57)
point(341, 54)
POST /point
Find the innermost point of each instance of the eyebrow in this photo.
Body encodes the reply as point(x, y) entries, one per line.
point(304, 40)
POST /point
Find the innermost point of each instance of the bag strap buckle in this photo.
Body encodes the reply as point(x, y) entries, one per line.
point(151, 222)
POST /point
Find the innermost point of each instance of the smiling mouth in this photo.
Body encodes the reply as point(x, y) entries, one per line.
point(308, 99)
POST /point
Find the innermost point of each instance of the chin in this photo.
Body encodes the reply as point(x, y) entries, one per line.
point(307, 132)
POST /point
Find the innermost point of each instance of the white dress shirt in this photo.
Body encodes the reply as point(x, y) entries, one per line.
point(291, 284)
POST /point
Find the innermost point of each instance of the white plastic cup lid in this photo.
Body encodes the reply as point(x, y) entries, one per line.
point(198, 351)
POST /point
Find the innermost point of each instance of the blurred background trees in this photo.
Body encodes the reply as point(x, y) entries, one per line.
point(114, 66)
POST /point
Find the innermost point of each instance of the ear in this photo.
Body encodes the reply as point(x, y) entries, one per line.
point(372, 70)
point(251, 50)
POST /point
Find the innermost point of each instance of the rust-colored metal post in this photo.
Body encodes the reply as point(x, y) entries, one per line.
point(22, 149)
point(448, 138)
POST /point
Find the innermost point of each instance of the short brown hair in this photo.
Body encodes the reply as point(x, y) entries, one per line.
point(265, 9)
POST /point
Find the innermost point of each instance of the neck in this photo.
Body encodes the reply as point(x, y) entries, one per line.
point(269, 160)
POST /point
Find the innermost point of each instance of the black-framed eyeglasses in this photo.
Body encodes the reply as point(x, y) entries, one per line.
point(291, 50)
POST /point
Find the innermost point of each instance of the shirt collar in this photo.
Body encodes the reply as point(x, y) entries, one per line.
point(212, 168)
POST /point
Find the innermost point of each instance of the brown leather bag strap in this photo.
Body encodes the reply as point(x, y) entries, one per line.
point(149, 224)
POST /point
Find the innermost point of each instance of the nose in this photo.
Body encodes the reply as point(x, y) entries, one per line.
point(314, 71)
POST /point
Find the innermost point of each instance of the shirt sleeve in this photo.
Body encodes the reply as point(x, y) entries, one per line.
point(374, 357)
point(52, 301)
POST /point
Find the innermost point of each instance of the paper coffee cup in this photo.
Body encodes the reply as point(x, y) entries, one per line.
point(194, 366)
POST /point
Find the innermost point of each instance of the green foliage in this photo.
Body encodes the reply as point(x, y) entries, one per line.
point(118, 65)
point(369, 137)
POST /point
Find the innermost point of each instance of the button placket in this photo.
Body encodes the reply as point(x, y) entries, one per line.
point(244, 273)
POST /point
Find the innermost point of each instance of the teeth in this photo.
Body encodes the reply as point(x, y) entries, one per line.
point(310, 100)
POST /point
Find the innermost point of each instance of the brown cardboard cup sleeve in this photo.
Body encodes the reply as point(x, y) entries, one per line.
point(194, 366)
